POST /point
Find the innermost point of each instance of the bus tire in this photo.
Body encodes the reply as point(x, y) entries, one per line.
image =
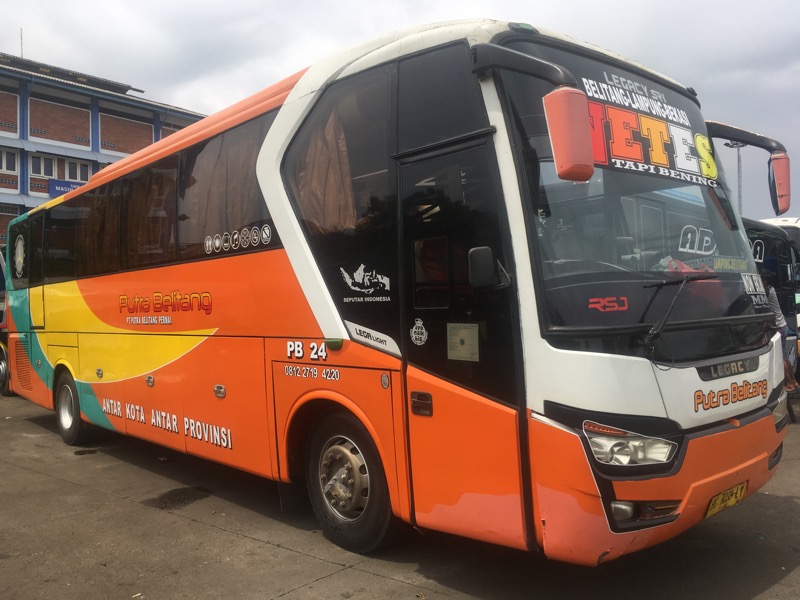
point(347, 485)
point(5, 374)
point(68, 411)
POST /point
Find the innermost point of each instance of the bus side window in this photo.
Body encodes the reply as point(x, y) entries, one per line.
point(322, 181)
point(149, 237)
point(219, 194)
point(60, 241)
point(97, 231)
point(439, 97)
point(340, 178)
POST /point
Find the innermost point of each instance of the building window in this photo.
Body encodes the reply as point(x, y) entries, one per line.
point(8, 161)
point(42, 166)
point(78, 171)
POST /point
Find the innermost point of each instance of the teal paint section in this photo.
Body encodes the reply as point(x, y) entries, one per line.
point(91, 407)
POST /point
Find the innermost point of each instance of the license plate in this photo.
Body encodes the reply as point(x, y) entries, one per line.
point(727, 498)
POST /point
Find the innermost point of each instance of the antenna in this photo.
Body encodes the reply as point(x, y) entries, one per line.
point(21, 54)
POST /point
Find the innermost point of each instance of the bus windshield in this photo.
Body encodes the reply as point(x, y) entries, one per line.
point(655, 211)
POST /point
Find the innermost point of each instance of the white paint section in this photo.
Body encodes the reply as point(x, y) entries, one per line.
point(722, 398)
point(529, 321)
point(372, 338)
point(592, 381)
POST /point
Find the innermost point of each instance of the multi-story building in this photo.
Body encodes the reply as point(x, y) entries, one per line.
point(59, 127)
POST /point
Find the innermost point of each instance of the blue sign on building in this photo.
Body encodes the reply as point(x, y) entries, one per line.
point(58, 187)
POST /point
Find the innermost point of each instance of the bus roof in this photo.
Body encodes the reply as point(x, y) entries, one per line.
point(784, 221)
point(765, 228)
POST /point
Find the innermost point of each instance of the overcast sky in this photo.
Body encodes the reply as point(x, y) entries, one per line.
point(741, 56)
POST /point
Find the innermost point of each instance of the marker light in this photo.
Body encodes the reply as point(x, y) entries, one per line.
point(781, 410)
point(612, 446)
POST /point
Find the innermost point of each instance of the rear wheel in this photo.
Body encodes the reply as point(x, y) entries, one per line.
point(347, 485)
point(4, 373)
point(68, 411)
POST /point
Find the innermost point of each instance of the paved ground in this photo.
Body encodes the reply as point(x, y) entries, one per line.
point(125, 519)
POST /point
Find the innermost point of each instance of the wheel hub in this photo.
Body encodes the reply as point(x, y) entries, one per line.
point(64, 407)
point(344, 478)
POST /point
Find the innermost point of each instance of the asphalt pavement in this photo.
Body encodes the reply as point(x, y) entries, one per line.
point(124, 519)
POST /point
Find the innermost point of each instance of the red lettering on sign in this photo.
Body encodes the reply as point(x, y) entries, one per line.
point(597, 120)
point(623, 124)
point(609, 304)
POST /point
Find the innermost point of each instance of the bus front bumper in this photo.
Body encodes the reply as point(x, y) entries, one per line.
point(574, 522)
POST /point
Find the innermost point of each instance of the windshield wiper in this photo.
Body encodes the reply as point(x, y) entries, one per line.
point(655, 330)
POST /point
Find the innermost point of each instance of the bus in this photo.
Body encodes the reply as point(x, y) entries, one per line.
point(475, 277)
point(777, 258)
point(791, 225)
point(776, 254)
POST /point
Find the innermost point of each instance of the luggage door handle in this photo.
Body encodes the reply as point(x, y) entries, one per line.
point(422, 404)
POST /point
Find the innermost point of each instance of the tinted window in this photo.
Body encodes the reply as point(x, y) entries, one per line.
point(35, 252)
point(97, 231)
point(439, 97)
point(451, 207)
point(59, 249)
point(221, 208)
point(148, 204)
point(339, 174)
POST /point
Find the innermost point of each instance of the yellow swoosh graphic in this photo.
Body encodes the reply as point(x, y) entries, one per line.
point(121, 352)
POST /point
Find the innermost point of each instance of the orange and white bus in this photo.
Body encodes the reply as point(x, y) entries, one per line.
point(476, 277)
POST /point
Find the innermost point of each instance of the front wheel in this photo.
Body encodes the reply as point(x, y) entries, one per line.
point(68, 411)
point(347, 485)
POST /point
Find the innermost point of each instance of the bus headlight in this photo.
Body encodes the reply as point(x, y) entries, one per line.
point(612, 446)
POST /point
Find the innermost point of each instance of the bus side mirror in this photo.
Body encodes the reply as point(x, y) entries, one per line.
point(779, 182)
point(567, 112)
point(482, 271)
point(485, 271)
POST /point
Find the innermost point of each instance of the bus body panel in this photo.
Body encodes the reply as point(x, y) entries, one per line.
point(571, 521)
point(462, 480)
point(153, 413)
point(695, 402)
point(36, 302)
point(566, 501)
point(600, 377)
point(370, 393)
point(111, 343)
point(250, 294)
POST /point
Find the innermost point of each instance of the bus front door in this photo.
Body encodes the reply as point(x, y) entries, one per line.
point(463, 392)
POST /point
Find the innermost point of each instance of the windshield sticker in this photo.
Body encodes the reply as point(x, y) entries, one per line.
point(711, 264)
point(758, 250)
point(462, 342)
point(635, 128)
point(696, 240)
point(419, 335)
point(609, 303)
point(369, 283)
point(754, 286)
point(19, 256)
